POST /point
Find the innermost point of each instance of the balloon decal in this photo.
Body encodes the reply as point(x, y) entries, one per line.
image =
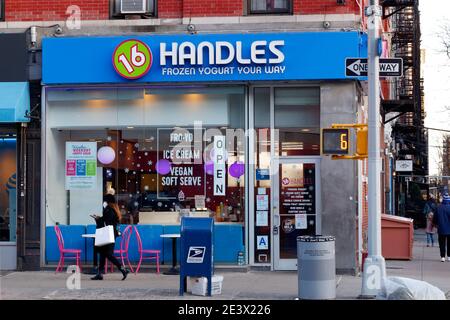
point(106, 155)
point(237, 169)
point(163, 166)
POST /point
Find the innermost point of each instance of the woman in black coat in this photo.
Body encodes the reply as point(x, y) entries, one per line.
point(110, 217)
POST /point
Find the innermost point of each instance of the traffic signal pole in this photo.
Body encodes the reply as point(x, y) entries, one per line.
point(374, 266)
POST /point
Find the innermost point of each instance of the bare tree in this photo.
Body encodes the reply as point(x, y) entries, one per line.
point(444, 36)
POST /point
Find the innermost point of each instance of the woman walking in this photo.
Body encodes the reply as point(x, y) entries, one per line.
point(110, 217)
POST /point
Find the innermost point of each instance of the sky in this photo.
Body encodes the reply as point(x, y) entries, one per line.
point(436, 74)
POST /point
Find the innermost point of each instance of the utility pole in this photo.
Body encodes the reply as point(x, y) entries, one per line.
point(374, 266)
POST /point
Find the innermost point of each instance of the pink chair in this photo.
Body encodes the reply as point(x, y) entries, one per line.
point(122, 253)
point(146, 254)
point(70, 254)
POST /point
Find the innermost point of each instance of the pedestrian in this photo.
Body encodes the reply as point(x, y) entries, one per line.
point(442, 220)
point(430, 205)
point(99, 224)
point(429, 210)
point(110, 217)
point(430, 229)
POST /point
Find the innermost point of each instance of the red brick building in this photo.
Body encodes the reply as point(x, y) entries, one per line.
point(43, 10)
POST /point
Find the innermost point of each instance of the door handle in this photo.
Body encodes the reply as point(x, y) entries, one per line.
point(276, 220)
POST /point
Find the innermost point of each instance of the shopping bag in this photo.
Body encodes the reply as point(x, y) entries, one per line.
point(104, 236)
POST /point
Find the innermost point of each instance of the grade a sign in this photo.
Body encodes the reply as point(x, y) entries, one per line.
point(81, 165)
point(262, 242)
point(180, 169)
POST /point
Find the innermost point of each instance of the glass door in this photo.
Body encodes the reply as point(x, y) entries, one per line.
point(296, 207)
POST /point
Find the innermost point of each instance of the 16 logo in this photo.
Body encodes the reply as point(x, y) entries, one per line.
point(132, 59)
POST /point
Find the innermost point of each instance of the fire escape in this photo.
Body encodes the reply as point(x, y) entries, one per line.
point(407, 105)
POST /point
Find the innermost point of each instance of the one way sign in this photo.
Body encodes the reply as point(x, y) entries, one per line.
point(358, 67)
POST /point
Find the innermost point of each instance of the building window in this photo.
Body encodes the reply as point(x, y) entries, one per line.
point(269, 6)
point(297, 119)
point(121, 9)
point(8, 200)
point(2, 10)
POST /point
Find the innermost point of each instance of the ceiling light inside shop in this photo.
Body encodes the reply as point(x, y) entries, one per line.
point(130, 127)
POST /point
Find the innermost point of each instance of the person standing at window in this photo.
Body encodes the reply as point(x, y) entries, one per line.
point(111, 217)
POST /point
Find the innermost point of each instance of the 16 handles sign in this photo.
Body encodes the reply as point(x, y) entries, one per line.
point(132, 59)
point(81, 165)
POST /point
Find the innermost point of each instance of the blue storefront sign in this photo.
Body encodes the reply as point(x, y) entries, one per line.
point(200, 58)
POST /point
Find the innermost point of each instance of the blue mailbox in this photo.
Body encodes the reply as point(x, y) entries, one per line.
point(196, 250)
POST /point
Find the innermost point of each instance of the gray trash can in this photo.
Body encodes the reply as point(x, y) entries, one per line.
point(316, 267)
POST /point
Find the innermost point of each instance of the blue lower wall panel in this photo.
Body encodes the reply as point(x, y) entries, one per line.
point(72, 240)
point(150, 236)
point(151, 240)
point(228, 241)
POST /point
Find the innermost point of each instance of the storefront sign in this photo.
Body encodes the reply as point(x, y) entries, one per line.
point(262, 218)
point(262, 174)
point(404, 165)
point(288, 225)
point(206, 57)
point(200, 202)
point(262, 202)
point(300, 221)
point(219, 165)
point(298, 200)
point(81, 165)
point(298, 190)
point(184, 171)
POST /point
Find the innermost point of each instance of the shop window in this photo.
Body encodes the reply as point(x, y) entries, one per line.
point(269, 6)
point(8, 194)
point(123, 9)
point(297, 121)
point(155, 152)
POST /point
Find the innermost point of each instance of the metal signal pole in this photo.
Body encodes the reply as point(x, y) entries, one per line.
point(374, 266)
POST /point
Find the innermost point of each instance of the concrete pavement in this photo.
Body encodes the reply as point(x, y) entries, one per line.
point(236, 285)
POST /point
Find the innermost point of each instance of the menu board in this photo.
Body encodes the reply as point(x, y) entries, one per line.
point(181, 174)
point(298, 196)
point(81, 165)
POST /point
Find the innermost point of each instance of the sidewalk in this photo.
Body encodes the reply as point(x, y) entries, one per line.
point(237, 285)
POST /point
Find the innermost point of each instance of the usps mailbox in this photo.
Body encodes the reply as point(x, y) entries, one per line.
point(196, 250)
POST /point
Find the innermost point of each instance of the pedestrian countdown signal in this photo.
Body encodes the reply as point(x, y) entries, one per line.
point(335, 141)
